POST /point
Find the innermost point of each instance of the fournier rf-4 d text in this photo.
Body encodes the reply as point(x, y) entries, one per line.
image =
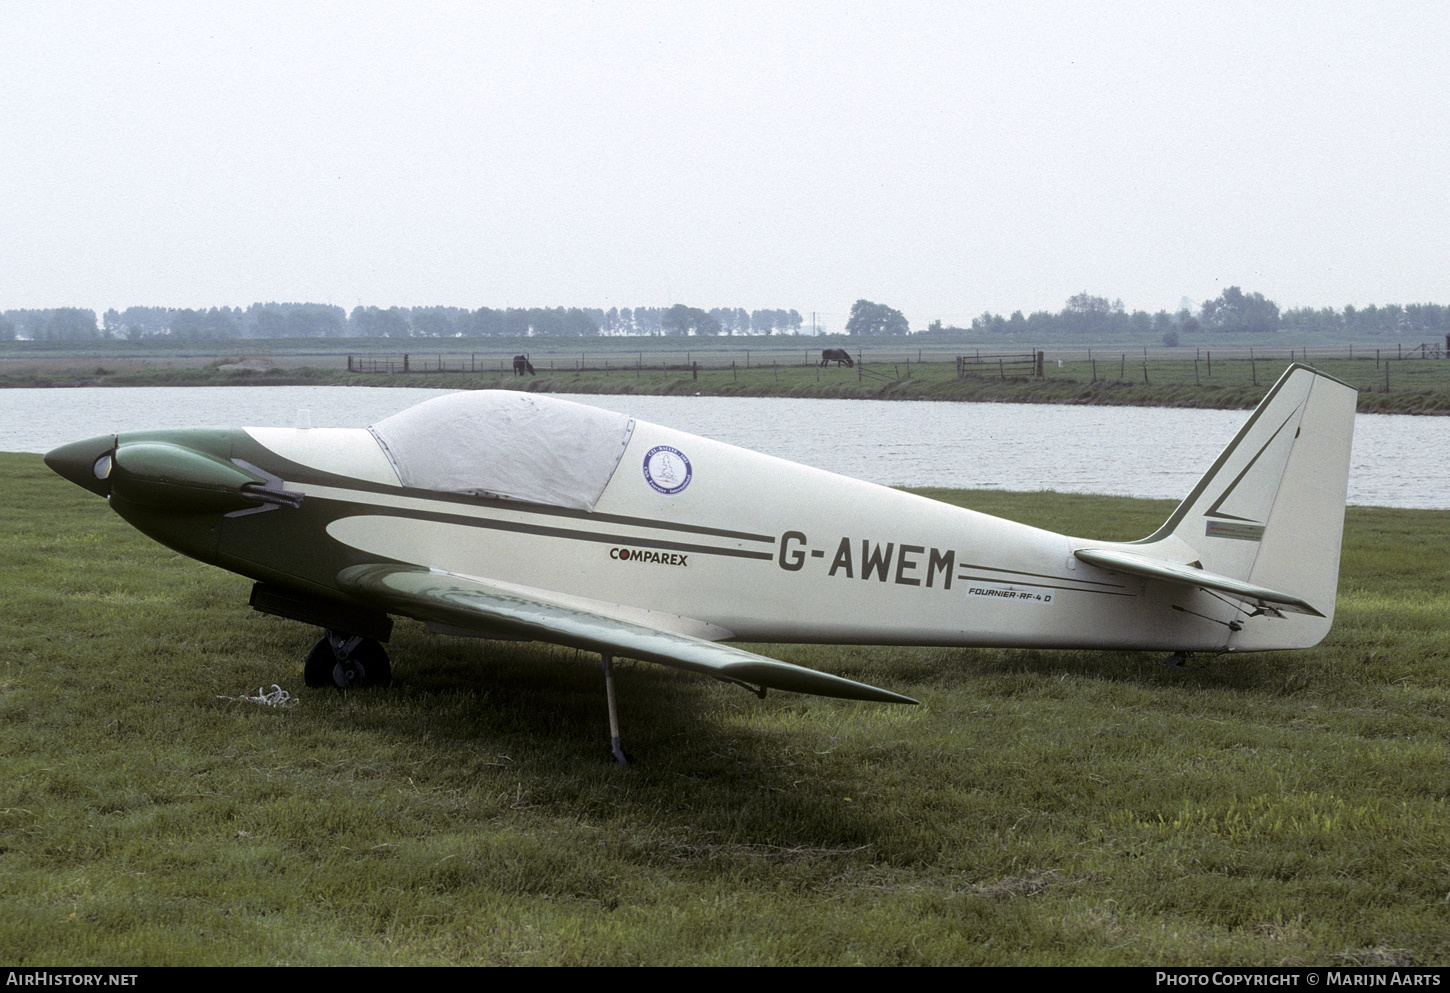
point(516, 515)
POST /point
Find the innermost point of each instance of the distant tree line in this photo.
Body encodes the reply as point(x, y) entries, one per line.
point(1232, 312)
point(1409, 321)
point(314, 320)
point(59, 323)
point(1085, 316)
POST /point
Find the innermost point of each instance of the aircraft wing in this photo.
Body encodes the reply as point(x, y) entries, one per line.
point(1173, 572)
point(498, 609)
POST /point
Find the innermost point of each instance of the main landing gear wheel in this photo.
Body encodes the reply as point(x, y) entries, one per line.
point(345, 661)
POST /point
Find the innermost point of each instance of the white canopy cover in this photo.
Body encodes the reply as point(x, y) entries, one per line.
point(496, 443)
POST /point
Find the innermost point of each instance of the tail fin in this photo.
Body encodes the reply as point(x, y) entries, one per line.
point(1270, 511)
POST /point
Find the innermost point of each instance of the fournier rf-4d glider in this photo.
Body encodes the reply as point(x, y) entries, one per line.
point(516, 515)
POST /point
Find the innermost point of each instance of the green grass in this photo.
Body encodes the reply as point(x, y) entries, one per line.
point(1038, 807)
point(1414, 386)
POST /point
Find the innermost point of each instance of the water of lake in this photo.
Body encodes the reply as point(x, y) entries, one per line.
point(1398, 461)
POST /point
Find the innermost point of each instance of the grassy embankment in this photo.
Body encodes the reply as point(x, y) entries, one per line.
point(1166, 377)
point(1038, 807)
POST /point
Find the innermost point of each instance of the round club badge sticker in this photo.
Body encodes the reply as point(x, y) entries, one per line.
point(667, 469)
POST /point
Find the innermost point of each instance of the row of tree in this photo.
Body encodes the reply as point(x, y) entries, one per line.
point(312, 320)
point(261, 320)
point(1233, 311)
point(1409, 321)
point(1084, 316)
point(57, 324)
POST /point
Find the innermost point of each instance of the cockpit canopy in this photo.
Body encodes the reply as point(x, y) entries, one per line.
point(517, 446)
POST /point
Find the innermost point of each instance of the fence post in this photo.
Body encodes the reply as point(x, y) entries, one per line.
point(1040, 356)
point(694, 370)
point(1095, 368)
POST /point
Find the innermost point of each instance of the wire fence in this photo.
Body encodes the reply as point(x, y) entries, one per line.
point(976, 363)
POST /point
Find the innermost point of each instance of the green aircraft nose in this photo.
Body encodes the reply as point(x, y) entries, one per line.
point(86, 463)
point(167, 476)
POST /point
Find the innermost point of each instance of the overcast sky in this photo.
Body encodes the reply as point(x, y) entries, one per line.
point(942, 158)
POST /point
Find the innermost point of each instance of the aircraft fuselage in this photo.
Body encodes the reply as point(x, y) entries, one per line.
point(807, 556)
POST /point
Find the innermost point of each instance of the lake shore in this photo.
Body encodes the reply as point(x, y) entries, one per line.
point(1390, 387)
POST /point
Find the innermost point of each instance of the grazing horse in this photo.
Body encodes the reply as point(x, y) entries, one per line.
point(838, 356)
point(522, 365)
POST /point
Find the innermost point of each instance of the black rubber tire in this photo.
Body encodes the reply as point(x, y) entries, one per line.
point(365, 666)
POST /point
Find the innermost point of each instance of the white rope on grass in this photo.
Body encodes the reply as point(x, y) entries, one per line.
point(277, 698)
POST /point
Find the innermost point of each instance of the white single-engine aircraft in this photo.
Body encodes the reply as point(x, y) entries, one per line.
point(517, 515)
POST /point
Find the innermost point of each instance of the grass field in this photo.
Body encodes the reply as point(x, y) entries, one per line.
point(1225, 377)
point(1038, 807)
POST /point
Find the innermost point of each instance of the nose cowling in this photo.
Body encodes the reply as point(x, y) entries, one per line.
point(179, 479)
point(86, 463)
point(156, 472)
point(174, 485)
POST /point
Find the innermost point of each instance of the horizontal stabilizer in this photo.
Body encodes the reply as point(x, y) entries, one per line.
point(1148, 567)
point(474, 604)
